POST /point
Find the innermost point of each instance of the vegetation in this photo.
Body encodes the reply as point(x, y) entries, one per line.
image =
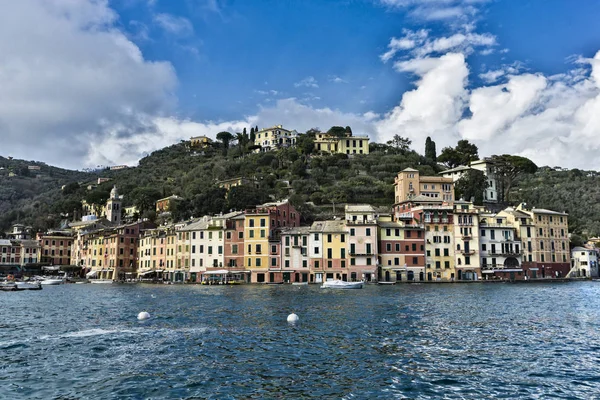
point(315, 184)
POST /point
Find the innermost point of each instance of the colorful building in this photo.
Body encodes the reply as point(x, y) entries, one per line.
point(466, 238)
point(362, 242)
point(410, 183)
point(350, 145)
point(55, 247)
point(500, 248)
point(401, 249)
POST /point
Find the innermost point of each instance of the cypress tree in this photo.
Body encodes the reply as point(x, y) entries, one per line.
point(430, 152)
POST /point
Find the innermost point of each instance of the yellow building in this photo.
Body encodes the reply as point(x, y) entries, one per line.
point(409, 184)
point(256, 234)
point(166, 204)
point(240, 181)
point(326, 143)
point(466, 239)
point(201, 142)
point(335, 244)
point(545, 240)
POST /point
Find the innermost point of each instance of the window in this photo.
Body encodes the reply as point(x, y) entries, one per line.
point(368, 232)
point(415, 260)
point(329, 238)
point(316, 264)
point(467, 260)
point(234, 248)
point(437, 252)
point(251, 223)
point(316, 236)
point(258, 249)
point(408, 233)
point(446, 264)
point(446, 253)
point(316, 250)
point(438, 265)
point(483, 232)
point(352, 232)
point(258, 262)
point(342, 238)
point(329, 253)
point(388, 247)
point(263, 222)
point(329, 264)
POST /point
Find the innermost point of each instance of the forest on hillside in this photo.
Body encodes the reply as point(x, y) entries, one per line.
point(313, 182)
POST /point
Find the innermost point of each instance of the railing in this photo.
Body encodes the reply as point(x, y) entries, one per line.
point(360, 253)
point(467, 236)
point(505, 253)
point(471, 251)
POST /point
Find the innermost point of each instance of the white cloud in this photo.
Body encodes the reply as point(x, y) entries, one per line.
point(337, 79)
point(435, 106)
point(68, 77)
point(173, 24)
point(492, 76)
point(420, 44)
point(434, 10)
point(410, 40)
point(307, 82)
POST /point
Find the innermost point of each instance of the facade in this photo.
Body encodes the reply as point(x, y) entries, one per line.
point(201, 142)
point(401, 249)
point(17, 253)
point(166, 204)
point(466, 238)
point(233, 182)
point(409, 184)
point(500, 248)
point(350, 145)
point(274, 138)
point(294, 254)
point(55, 247)
point(362, 242)
point(584, 263)
point(490, 194)
point(544, 240)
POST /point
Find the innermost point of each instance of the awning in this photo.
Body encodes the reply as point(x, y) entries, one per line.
point(145, 273)
point(91, 274)
point(534, 269)
point(51, 268)
point(217, 272)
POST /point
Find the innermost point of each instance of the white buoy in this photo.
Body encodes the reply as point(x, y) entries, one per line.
point(292, 318)
point(143, 316)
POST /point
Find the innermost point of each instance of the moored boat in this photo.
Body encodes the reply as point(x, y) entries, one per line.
point(28, 285)
point(337, 284)
point(101, 281)
point(386, 283)
point(300, 283)
point(52, 282)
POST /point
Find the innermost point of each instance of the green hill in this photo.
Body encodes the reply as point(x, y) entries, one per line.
point(319, 180)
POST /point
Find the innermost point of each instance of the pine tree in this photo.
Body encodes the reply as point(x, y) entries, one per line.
point(430, 152)
point(252, 135)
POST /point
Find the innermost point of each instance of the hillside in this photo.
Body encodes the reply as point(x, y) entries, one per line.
point(319, 180)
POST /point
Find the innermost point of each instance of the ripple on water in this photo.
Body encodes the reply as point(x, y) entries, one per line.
point(428, 341)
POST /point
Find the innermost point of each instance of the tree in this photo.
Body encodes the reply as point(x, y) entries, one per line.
point(242, 197)
point(348, 130)
point(471, 185)
point(400, 143)
point(337, 131)
point(252, 135)
point(305, 144)
point(463, 154)
point(144, 198)
point(508, 170)
point(70, 188)
point(430, 152)
point(225, 137)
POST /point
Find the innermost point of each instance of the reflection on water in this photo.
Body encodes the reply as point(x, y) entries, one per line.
point(478, 341)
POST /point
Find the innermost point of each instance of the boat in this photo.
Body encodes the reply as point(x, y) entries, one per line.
point(50, 281)
point(28, 285)
point(102, 281)
point(300, 283)
point(337, 284)
point(386, 283)
point(275, 283)
point(8, 286)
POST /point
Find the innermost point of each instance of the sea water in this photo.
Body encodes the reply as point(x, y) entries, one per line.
point(430, 341)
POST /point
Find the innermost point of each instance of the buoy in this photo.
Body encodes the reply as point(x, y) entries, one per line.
point(143, 316)
point(292, 318)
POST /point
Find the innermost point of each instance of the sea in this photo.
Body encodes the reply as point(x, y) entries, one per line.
point(410, 341)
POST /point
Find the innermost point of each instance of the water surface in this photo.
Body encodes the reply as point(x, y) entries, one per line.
point(461, 341)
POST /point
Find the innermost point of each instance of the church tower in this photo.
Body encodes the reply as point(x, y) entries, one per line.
point(113, 207)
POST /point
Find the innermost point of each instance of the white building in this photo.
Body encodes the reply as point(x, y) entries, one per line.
point(500, 248)
point(584, 263)
point(490, 195)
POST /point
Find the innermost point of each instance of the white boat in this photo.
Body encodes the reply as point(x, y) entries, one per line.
point(337, 284)
point(49, 281)
point(28, 285)
point(104, 281)
point(300, 283)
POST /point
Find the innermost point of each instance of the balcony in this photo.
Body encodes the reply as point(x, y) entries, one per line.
point(467, 236)
point(504, 253)
point(467, 252)
point(360, 254)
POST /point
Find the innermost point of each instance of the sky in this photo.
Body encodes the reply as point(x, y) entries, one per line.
point(85, 83)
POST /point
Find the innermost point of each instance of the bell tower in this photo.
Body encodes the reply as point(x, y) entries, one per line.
point(113, 207)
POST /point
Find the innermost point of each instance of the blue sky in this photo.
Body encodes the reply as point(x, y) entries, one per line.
point(99, 82)
point(231, 51)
